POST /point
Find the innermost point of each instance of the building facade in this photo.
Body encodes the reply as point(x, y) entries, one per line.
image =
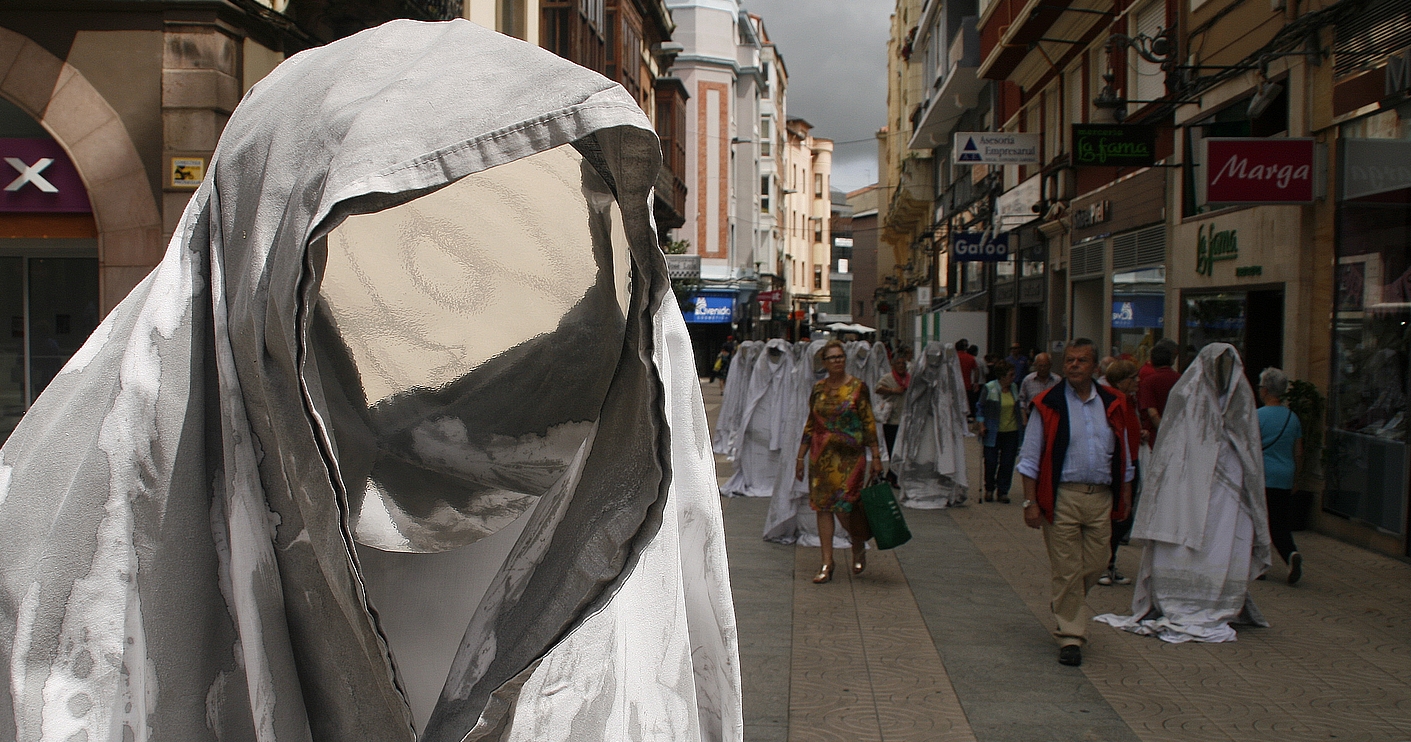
point(115, 109)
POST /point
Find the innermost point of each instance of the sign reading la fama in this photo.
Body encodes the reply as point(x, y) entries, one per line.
point(1251, 170)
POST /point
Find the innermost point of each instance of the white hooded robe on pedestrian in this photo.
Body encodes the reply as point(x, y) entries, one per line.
point(761, 443)
point(929, 456)
point(402, 439)
point(732, 401)
point(1202, 519)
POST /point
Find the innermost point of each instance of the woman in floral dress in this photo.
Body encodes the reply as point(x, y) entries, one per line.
point(839, 431)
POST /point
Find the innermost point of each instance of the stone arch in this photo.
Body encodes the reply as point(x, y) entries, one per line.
point(91, 132)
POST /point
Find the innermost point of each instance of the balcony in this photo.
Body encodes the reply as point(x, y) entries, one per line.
point(1012, 28)
point(911, 203)
point(952, 94)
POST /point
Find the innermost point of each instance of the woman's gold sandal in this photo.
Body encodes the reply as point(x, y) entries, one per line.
point(825, 574)
point(859, 561)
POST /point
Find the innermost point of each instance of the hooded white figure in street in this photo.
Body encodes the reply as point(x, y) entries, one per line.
point(929, 455)
point(1202, 516)
point(400, 440)
point(759, 443)
point(732, 399)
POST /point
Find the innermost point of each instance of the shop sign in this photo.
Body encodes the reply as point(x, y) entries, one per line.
point(41, 178)
point(1212, 246)
point(1092, 215)
point(1251, 170)
point(1398, 73)
point(1019, 205)
point(1114, 145)
point(683, 266)
point(767, 300)
point(1249, 271)
point(1138, 312)
point(710, 309)
point(982, 247)
point(995, 148)
point(1373, 166)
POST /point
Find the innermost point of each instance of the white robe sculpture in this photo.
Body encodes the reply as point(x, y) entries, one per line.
point(857, 351)
point(929, 456)
point(760, 443)
point(401, 441)
point(1202, 517)
point(790, 519)
point(732, 401)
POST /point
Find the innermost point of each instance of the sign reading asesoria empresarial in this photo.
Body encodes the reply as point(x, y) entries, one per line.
point(995, 148)
point(1251, 170)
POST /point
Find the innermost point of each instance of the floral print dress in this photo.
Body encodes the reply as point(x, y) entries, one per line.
point(840, 429)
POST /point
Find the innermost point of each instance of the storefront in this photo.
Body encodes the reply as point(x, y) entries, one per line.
point(1117, 264)
point(1367, 480)
point(710, 319)
point(48, 263)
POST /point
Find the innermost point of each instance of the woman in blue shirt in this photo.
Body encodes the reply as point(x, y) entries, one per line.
point(1283, 453)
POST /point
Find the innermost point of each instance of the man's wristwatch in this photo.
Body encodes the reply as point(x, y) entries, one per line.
point(1027, 503)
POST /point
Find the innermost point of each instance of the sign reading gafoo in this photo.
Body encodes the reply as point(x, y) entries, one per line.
point(971, 247)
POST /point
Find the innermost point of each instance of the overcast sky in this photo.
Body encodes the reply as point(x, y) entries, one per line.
point(836, 54)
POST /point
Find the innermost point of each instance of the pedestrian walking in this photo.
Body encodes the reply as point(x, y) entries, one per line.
point(999, 425)
point(969, 373)
point(1202, 516)
point(892, 390)
point(1122, 378)
point(1155, 380)
point(1035, 383)
point(1282, 440)
point(1077, 479)
point(839, 433)
point(1019, 360)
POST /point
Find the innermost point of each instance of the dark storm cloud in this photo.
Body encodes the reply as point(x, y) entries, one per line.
point(836, 54)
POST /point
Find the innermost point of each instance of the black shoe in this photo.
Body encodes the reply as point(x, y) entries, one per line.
point(1295, 568)
point(1071, 655)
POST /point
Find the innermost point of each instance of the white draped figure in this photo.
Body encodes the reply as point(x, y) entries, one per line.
point(1202, 516)
point(790, 519)
point(400, 442)
point(929, 455)
point(878, 365)
point(732, 402)
point(760, 443)
point(858, 351)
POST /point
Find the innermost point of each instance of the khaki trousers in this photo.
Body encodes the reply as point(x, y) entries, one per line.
point(1077, 542)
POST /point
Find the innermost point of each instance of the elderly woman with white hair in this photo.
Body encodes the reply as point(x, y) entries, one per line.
point(1283, 455)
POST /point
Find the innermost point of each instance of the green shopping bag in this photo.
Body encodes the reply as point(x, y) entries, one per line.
point(884, 516)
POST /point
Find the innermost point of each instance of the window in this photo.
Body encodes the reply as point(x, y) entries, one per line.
point(1148, 81)
point(818, 185)
point(765, 139)
point(764, 194)
point(817, 230)
point(818, 277)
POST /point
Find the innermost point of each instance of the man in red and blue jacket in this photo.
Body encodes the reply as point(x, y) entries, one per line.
point(1077, 472)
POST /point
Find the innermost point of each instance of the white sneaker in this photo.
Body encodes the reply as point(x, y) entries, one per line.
point(1106, 578)
point(1120, 579)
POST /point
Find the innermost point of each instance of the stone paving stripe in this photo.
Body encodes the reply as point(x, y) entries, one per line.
point(761, 578)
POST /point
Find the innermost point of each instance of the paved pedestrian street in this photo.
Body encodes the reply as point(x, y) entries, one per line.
point(946, 638)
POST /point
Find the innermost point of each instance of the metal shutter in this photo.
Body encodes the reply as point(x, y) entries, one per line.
point(1151, 246)
point(1086, 259)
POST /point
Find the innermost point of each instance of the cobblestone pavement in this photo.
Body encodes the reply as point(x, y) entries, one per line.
point(947, 638)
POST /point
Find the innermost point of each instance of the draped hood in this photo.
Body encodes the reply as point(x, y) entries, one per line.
point(1212, 405)
point(341, 380)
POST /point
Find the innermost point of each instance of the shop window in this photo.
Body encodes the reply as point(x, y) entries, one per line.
point(1138, 311)
point(1371, 379)
point(51, 306)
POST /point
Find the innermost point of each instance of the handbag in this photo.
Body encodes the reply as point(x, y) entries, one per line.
point(884, 515)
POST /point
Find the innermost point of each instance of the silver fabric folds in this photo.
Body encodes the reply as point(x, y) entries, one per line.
point(399, 441)
point(929, 455)
point(1202, 520)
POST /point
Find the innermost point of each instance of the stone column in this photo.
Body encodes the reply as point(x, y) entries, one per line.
point(200, 88)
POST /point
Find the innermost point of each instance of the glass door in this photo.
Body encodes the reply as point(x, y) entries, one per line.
point(50, 306)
